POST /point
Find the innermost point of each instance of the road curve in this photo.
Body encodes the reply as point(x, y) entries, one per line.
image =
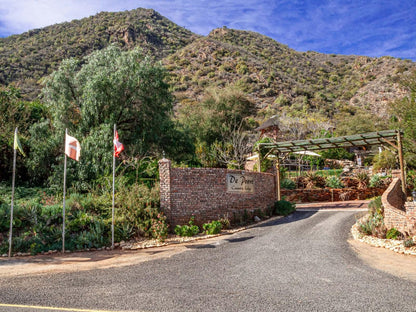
point(299, 263)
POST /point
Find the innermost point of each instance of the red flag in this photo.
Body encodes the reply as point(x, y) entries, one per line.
point(118, 146)
point(72, 147)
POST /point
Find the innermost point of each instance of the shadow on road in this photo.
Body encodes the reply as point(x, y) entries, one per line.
point(200, 246)
point(296, 216)
point(239, 239)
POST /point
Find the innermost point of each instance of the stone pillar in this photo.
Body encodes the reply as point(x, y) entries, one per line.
point(165, 185)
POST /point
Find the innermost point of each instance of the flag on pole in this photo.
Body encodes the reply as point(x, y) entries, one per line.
point(17, 144)
point(118, 146)
point(72, 147)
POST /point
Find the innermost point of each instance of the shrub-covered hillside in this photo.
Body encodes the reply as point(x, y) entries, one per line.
point(26, 58)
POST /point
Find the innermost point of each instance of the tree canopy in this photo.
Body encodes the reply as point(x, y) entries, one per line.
point(89, 96)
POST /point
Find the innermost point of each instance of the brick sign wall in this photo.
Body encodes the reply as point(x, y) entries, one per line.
point(212, 193)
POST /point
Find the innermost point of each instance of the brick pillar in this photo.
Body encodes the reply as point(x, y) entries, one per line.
point(165, 199)
point(411, 217)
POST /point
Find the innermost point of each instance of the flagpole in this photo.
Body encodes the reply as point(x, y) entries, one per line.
point(12, 203)
point(63, 205)
point(114, 175)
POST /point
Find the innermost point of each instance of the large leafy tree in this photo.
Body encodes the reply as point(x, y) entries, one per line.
point(404, 117)
point(108, 87)
point(220, 124)
point(14, 112)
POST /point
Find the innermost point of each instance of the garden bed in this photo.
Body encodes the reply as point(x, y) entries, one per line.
point(330, 194)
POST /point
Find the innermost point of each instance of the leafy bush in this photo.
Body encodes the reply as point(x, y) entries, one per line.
point(394, 233)
point(159, 227)
point(376, 206)
point(137, 206)
point(37, 224)
point(334, 182)
point(225, 222)
point(384, 160)
point(284, 208)
point(362, 178)
point(374, 225)
point(408, 242)
point(376, 181)
point(288, 184)
point(212, 228)
point(312, 180)
point(187, 230)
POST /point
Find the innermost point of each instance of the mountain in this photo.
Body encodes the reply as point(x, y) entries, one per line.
point(275, 77)
point(26, 58)
point(280, 79)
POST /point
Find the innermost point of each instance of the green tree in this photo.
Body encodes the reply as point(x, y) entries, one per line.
point(359, 122)
point(14, 112)
point(109, 87)
point(216, 122)
point(404, 117)
point(384, 160)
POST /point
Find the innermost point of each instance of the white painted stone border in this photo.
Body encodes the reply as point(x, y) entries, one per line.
point(392, 244)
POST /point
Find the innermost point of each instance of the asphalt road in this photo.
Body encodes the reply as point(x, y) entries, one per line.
point(299, 263)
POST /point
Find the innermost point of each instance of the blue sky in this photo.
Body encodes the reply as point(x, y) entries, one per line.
point(359, 27)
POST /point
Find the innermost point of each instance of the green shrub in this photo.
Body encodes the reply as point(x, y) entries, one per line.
point(187, 230)
point(284, 208)
point(225, 222)
point(362, 178)
point(159, 227)
point(394, 233)
point(375, 206)
point(288, 184)
point(137, 206)
point(376, 181)
point(212, 228)
point(384, 160)
point(334, 182)
point(374, 225)
point(408, 242)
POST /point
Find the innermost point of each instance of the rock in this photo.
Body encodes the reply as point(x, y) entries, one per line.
point(256, 219)
point(4, 255)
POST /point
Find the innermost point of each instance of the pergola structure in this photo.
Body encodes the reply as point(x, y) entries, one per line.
point(391, 138)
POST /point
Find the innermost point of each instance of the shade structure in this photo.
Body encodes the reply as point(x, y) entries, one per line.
point(365, 139)
point(392, 138)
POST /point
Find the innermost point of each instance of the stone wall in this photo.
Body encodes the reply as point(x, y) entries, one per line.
point(398, 213)
point(205, 193)
point(411, 217)
point(330, 195)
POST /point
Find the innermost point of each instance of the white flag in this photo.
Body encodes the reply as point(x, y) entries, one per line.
point(72, 147)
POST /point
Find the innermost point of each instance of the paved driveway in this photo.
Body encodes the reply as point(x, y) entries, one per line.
point(299, 263)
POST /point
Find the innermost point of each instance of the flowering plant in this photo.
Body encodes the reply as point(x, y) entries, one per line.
point(159, 227)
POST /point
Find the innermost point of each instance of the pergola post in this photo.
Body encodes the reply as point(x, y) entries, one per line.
point(278, 177)
point(401, 161)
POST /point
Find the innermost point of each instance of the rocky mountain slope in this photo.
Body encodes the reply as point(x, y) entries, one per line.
point(275, 77)
point(26, 58)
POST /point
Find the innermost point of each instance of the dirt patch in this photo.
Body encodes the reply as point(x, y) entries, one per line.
point(131, 254)
point(82, 261)
point(403, 266)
